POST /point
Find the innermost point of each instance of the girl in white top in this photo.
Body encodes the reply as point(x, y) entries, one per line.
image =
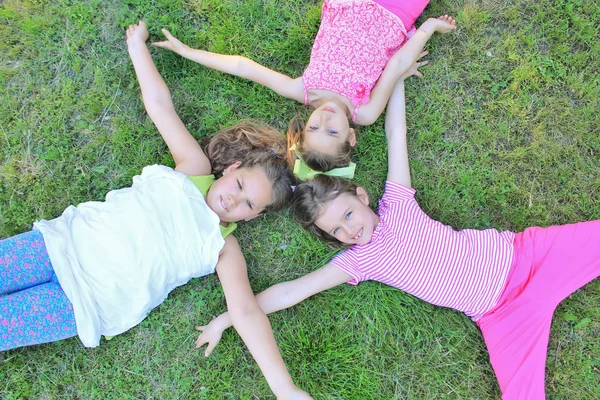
point(102, 266)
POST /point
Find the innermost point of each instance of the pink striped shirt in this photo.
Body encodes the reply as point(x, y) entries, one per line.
point(465, 270)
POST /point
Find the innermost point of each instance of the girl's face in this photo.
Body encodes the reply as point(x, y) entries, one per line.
point(327, 129)
point(349, 218)
point(240, 194)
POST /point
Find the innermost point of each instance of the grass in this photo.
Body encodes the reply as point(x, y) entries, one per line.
point(504, 132)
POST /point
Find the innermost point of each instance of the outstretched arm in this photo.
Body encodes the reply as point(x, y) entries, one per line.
point(187, 153)
point(238, 66)
point(398, 65)
point(251, 322)
point(277, 297)
point(395, 130)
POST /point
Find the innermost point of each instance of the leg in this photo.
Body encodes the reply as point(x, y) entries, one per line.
point(24, 262)
point(550, 264)
point(565, 258)
point(407, 11)
point(517, 340)
point(40, 314)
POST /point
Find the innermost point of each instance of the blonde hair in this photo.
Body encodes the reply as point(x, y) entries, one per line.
point(315, 160)
point(254, 144)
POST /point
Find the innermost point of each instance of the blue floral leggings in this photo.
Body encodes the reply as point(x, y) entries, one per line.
point(33, 307)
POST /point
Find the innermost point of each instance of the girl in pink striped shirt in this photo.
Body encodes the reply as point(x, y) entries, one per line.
point(509, 284)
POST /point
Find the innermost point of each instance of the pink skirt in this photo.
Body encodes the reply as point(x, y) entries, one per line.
point(408, 11)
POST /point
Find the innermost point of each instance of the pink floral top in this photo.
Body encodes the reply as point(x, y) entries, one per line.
point(356, 40)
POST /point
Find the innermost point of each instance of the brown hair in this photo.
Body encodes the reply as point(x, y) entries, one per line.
point(315, 160)
point(310, 198)
point(255, 145)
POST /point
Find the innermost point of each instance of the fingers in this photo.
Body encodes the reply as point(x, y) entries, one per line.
point(131, 29)
point(201, 341)
point(423, 53)
point(165, 45)
point(422, 63)
point(168, 34)
point(210, 348)
point(200, 328)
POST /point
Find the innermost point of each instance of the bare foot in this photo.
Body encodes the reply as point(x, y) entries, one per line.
point(449, 24)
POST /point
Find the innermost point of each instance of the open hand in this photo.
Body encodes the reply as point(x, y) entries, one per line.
point(414, 69)
point(172, 43)
point(211, 334)
point(137, 33)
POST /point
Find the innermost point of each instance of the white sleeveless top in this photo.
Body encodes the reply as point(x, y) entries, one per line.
point(116, 260)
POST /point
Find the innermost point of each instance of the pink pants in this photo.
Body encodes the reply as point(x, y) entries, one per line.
point(550, 264)
point(407, 10)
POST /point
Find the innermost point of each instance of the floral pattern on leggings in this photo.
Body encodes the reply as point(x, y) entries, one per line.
point(33, 307)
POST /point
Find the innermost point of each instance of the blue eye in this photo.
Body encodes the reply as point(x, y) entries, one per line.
point(349, 215)
point(239, 185)
point(335, 231)
point(331, 131)
point(313, 128)
point(249, 204)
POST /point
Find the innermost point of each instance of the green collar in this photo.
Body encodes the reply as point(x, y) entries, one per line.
point(305, 173)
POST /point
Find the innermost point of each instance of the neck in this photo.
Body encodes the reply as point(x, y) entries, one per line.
point(321, 96)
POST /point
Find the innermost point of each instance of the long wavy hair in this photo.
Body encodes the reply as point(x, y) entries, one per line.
point(256, 145)
point(310, 198)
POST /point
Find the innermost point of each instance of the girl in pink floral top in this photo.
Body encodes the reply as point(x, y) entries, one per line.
point(361, 50)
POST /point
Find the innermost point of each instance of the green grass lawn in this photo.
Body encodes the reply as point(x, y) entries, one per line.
point(504, 131)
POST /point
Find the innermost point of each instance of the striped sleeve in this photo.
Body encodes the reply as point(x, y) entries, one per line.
point(395, 192)
point(348, 262)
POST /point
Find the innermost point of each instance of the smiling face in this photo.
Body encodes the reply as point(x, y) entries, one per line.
point(327, 129)
point(240, 194)
point(348, 218)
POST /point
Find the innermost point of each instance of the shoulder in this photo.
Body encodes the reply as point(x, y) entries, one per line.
point(202, 182)
point(348, 258)
point(353, 261)
point(231, 247)
point(395, 192)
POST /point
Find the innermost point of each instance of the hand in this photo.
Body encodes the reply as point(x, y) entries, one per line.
point(211, 334)
point(172, 43)
point(414, 69)
point(137, 33)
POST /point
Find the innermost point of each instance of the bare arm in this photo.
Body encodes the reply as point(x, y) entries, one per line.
point(187, 153)
point(238, 66)
point(398, 65)
point(251, 322)
point(277, 297)
point(395, 130)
